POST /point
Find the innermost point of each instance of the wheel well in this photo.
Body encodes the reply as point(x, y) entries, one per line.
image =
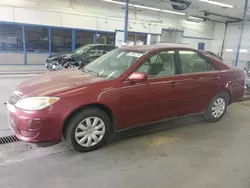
point(229, 95)
point(100, 106)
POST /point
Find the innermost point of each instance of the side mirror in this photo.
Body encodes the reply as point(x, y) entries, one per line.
point(137, 76)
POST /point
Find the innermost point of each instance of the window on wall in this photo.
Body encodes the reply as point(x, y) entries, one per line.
point(37, 39)
point(154, 39)
point(11, 37)
point(61, 40)
point(83, 38)
point(136, 39)
point(140, 39)
point(131, 40)
point(105, 38)
point(169, 36)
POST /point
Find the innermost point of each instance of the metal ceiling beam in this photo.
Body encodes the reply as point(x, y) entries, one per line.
point(206, 13)
point(126, 22)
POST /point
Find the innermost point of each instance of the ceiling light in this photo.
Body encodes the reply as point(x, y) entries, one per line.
point(116, 2)
point(195, 18)
point(243, 50)
point(173, 12)
point(229, 50)
point(217, 3)
point(145, 7)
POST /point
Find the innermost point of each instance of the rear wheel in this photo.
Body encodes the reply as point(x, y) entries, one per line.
point(87, 130)
point(217, 107)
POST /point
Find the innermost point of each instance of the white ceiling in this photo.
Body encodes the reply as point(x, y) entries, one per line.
point(197, 8)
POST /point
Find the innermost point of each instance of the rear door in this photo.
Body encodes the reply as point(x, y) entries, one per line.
point(204, 75)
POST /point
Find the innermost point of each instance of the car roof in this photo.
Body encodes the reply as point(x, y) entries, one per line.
point(148, 48)
point(102, 45)
point(93, 45)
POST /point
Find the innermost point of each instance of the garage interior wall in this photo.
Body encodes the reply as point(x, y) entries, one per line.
point(231, 43)
point(102, 16)
point(217, 43)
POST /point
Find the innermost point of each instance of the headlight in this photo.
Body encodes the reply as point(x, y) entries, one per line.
point(36, 103)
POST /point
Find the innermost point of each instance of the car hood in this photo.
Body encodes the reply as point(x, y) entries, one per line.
point(55, 83)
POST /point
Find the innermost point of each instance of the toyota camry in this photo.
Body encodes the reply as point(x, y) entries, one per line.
point(125, 88)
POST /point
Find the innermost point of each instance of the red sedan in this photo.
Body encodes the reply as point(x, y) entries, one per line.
point(125, 88)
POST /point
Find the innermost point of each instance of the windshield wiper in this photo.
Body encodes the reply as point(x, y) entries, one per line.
point(94, 73)
point(90, 72)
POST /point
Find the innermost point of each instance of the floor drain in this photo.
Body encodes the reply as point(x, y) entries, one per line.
point(8, 139)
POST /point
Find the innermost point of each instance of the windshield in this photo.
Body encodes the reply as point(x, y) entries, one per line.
point(82, 49)
point(114, 63)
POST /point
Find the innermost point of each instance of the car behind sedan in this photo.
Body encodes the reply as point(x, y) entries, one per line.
point(78, 58)
point(125, 88)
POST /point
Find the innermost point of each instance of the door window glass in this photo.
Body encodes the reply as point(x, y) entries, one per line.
point(161, 64)
point(192, 62)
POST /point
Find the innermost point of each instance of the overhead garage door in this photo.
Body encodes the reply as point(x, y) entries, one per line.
point(231, 43)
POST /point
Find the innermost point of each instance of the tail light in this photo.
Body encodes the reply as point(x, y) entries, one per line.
point(245, 74)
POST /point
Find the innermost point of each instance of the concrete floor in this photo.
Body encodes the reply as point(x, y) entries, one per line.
point(180, 153)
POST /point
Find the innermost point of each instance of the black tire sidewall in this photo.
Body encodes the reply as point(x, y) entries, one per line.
point(69, 132)
point(208, 114)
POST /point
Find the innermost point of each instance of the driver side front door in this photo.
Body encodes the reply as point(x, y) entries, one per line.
point(150, 100)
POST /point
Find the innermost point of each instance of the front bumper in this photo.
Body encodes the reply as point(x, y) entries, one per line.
point(34, 126)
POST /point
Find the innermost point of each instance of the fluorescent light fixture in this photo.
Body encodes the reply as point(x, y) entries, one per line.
point(173, 12)
point(243, 50)
point(229, 50)
point(116, 2)
point(195, 18)
point(217, 3)
point(145, 7)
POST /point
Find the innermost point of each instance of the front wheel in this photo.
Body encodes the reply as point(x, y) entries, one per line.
point(217, 107)
point(87, 130)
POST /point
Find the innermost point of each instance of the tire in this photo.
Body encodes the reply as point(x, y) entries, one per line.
point(210, 113)
point(77, 129)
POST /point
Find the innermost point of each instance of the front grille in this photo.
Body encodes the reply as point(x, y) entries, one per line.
point(14, 98)
point(8, 139)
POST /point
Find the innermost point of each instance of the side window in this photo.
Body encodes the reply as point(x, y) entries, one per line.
point(192, 62)
point(161, 64)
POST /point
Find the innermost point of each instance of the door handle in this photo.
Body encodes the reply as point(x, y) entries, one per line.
point(216, 78)
point(174, 83)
